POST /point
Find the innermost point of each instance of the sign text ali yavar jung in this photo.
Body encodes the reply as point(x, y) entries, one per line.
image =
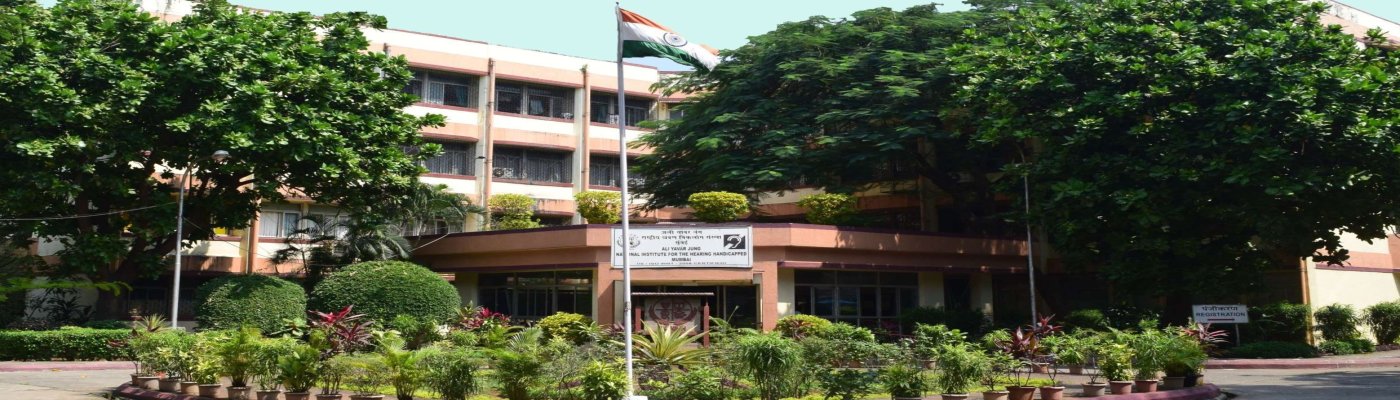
point(685, 246)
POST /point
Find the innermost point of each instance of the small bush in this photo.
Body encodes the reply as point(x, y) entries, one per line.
point(1337, 322)
point(699, 383)
point(258, 300)
point(454, 373)
point(513, 211)
point(417, 332)
point(1125, 316)
point(716, 207)
point(599, 207)
point(829, 208)
point(770, 361)
point(799, 326)
point(1348, 346)
point(1088, 319)
point(1278, 322)
point(1273, 350)
point(973, 322)
point(68, 343)
point(602, 381)
point(1384, 320)
point(575, 328)
point(384, 289)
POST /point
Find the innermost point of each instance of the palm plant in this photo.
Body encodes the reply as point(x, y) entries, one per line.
point(668, 346)
point(432, 204)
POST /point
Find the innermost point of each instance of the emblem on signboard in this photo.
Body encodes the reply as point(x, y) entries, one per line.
point(735, 242)
point(632, 241)
point(673, 311)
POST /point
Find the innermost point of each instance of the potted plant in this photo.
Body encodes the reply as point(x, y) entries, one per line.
point(206, 366)
point(1182, 359)
point(1001, 365)
point(1024, 346)
point(1055, 390)
point(1069, 351)
point(1115, 361)
point(1151, 348)
point(959, 367)
point(333, 372)
point(239, 357)
point(364, 375)
point(401, 366)
point(903, 382)
point(143, 351)
point(1207, 340)
point(298, 370)
point(266, 372)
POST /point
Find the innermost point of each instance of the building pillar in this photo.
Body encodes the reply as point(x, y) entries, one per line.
point(787, 292)
point(982, 293)
point(931, 290)
point(767, 297)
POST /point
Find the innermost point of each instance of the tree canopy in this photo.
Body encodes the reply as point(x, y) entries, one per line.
point(103, 107)
point(1178, 138)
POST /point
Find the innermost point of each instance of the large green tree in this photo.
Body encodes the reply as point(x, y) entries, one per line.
point(103, 106)
point(1191, 141)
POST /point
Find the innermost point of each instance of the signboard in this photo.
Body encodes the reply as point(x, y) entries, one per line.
point(684, 246)
point(1220, 313)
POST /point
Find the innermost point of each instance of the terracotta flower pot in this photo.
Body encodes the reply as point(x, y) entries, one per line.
point(297, 396)
point(995, 395)
point(189, 387)
point(238, 393)
point(1094, 389)
point(268, 394)
point(170, 385)
point(336, 396)
point(1052, 392)
point(1076, 370)
point(366, 397)
point(1173, 382)
point(954, 396)
point(1120, 387)
point(1040, 368)
point(1145, 386)
point(210, 390)
point(1194, 380)
point(147, 382)
point(1020, 392)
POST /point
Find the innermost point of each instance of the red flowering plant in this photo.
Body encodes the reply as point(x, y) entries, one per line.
point(344, 332)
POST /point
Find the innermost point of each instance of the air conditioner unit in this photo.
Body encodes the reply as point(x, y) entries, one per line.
point(499, 172)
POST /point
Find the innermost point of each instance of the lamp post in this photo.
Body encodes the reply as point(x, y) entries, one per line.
point(218, 156)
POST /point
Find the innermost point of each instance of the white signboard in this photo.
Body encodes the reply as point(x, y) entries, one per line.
point(1220, 313)
point(684, 246)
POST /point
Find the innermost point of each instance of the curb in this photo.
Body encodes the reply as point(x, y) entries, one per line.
point(29, 366)
point(1304, 363)
point(126, 391)
point(1204, 392)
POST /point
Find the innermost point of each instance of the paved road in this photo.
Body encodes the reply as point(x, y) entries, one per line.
point(1350, 383)
point(60, 385)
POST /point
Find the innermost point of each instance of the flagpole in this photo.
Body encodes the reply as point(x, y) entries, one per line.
point(622, 161)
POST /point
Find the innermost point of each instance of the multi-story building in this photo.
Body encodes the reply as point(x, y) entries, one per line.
point(542, 124)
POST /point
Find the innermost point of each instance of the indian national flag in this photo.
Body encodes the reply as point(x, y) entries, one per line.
point(642, 37)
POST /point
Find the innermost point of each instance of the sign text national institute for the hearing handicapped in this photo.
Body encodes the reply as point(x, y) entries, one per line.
point(685, 246)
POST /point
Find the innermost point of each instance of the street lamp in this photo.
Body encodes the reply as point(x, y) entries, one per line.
point(218, 157)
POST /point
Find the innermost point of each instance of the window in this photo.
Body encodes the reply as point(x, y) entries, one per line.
point(869, 299)
point(534, 99)
point(339, 225)
point(674, 113)
point(436, 87)
point(532, 165)
point(535, 295)
point(278, 223)
point(457, 158)
point(604, 106)
point(607, 171)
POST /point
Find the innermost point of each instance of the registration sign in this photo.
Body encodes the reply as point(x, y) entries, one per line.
point(1220, 313)
point(654, 246)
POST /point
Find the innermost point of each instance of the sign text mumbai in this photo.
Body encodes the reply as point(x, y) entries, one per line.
point(683, 246)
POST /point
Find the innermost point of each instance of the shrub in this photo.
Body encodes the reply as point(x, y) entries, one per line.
point(959, 368)
point(68, 343)
point(513, 211)
point(454, 373)
point(1336, 347)
point(299, 368)
point(699, 383)
point(718, 206)
point(261, 301)
point(239, 355)
point(599, 207)
point(1126, 316)
point(382, 290)
point(1087, 319)
point(903, 381)
point(364, 373)
point(800, 326)
point(973, 322)
point(417, 332)
point(1337, 322)
point(1115, 361)
point(1278, 322)
point(1384, 320)
point(602, 381)
point(1273, 350)
point(845, 383)
point(575, 328)
point(770, 361)
point(829, 208)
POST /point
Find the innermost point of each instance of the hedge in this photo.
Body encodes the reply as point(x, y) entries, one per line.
point(599, 207)
point(67, 343)
point(829, 208)
point(1274, 350)
point(716, 207)
point(257, 300)
point(383, 290)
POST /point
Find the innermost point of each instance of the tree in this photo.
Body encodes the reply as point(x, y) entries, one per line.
point(104, 107)
point(834, 103)
point(1190, 141)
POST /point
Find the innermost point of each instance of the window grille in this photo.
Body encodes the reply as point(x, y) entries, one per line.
point(604, 108)
point(535, 99)
point(532, 165)
point(456, 159)
point(444, 88)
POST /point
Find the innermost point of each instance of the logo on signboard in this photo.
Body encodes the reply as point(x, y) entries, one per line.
point(632, 241)
point(674, 311)
point(735, 242)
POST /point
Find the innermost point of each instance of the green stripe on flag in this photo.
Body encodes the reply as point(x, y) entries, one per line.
point(637, 48)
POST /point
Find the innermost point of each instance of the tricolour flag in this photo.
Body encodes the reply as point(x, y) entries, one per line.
point(642, 37)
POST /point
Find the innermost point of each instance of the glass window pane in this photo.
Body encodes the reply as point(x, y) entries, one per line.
point(858, 278)
point(848, 300)
point(899, 279)
point(508, 98)
point(869, 302)
point(824, 301)
point(803, 300)
point(289, 223)
point(908, 299)
point(270, 224)
point(827, 277)
point(889, 302)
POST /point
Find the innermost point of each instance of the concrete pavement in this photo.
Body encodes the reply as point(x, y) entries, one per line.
point(61, 384)
point(1282, 384)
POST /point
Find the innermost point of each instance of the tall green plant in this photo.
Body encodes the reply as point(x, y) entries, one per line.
point(299, 368)
point(959, 367)
point(602, 381)
point(1337, 322)
point(668, 346)
point(239, 355)
point(452, 372)
point(902, 380)
point(770, 361)
point(520, 364)
point(1384, 320)
point(1152, 349)
point(1115, 361)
